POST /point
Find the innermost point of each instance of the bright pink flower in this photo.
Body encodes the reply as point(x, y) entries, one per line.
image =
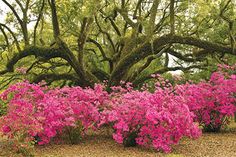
point(6, 129)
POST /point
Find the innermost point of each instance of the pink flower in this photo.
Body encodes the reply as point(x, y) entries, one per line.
point(118, 137)
point(21, 70)
point(6, 129)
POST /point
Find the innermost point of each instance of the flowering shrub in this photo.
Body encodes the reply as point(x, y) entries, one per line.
point(20, 124)
point(36, 112)
point(213, 101)
point(158, 119)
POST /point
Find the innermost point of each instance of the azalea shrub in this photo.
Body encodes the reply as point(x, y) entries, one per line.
point(213, 101)
point(36, 114)
point(157, 119)
point(20, 124)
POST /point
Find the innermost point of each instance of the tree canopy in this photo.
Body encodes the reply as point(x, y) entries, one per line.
point(81, 42)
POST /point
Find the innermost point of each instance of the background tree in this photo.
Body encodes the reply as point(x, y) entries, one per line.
point(82, 42)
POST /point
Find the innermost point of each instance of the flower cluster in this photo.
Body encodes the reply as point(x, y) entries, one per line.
point(212, 101)
point(36, 111)
point(157, 119)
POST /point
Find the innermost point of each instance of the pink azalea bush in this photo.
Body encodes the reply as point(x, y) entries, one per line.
point(158, 120)
point(36, 111)
point(213, 101)
point(20, 123)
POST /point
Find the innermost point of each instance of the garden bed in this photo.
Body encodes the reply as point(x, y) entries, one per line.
point(101, 144)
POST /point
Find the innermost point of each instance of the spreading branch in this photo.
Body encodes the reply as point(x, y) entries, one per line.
point(106, 33)
point(13, 35)
point(198, 56)
point(105, 58)
point(55, 77)
point(141, 80)
point(146, 49)
point(23, 23)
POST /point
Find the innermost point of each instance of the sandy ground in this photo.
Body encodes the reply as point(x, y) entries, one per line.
point(102, 145)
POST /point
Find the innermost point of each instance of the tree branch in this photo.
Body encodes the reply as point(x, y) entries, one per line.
point(172, 17)
point(14, 12)
point(23, 23)
point(136, 9)
point(44, 53)
point(5, 36)
point(125, 16)
point(38, 19)
point(152, 19)
point(82, 39)
point(21, 6)
point(100, 49)
point(185, 58)
point(230, 24)
point(55, 77)
point(115, 26)
point(164, 70)
point(146, 49)
point(106, 33)
point(140, 69)
point(56, 29)
point(159, 25)
point(13, 35)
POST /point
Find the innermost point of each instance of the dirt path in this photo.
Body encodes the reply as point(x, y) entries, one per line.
point(101, 145)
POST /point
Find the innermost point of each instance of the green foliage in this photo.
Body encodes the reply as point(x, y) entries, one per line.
point(20, 146)
point(3, 108)
point(72, 134)
point(130, 140)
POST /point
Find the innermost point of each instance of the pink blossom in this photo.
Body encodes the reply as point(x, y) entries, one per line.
point(21, 70)
point(6, 129)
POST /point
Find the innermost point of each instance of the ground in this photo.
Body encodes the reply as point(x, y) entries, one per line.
point(102, 145)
